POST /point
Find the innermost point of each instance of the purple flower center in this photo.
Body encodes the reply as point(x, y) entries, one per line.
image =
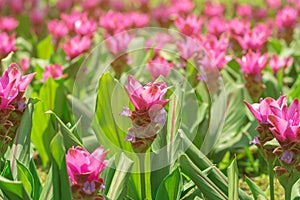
point(89, 187)
point(287, 157)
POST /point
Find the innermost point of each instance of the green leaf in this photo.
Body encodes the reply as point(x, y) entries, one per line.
point(61, 183)
point(13, 189)
point(47, 192)
point(58, 149)
point(258, 194)
point(25, 177)
point(171, 186)
point(296, 191)
point(233, 181)
point(45, 48)
point(37, 186)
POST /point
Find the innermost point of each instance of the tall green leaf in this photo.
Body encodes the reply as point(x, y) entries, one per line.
point(257, 193)
point(233, 181)
point(45, 48)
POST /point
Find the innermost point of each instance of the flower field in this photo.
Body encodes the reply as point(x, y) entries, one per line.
point(142, 99)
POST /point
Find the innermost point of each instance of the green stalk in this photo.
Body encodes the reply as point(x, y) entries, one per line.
point(142, 175)
point(288, 192)
point(271, 181)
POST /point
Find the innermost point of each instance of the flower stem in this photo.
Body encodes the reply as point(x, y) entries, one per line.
point(142, 175)
point(288, 192)
point(271, 181)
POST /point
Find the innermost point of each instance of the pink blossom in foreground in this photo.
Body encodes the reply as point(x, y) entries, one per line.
point(84, 170)
point(276, 63)
point(190, 25)
point(57, 29)
point(13, 85)
point(138, 20)
point(286, 18)
point(54, 71)
point(8, 24)
point(76, 46)
point(159, 66)
point(253, 63)
point(7, 44)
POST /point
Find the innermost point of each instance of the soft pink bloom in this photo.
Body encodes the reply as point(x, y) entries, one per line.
point(118, 43)
point(182, 7)
point(7, 44)
point(189, 48)
point(245, 11)
point(286, 18)
point(76, 46)
point(212, 9)
point(8, 23)
point(54, 71)
point(260, 13)
point(144, 97)
point(158, 42)
point(64, 5)
point(266, 107)
point(159, 66)
point(253, 63)
point(216, 26)
point(72, 18)
point(37, 16)
point(90, 4)
point(57, 29)
point(238, 27)
point(12, 84)
point(25, 64)
point(275, 4)
point(17, 6)
point(287, 125)
point(84, 167)
point(114, 22)
point(163, 14)
point(190, 25)
point(85, 26)
point(277, 63)
point(138, 20)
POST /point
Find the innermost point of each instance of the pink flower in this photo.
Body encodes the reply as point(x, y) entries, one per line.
point(37, 16)
point(54, 71)
point(84, 169)
point(182, 7)
point(238, 27)
point(76, 46)
point(57, 28)
point(286, 17)
point(119, 43)
point(286, 127)
point(159, 66)
point(90, 4)
point(13, 85)
point(245, 11)
point(138, 20)
point(253, 63)
point(163, 14)
point(216, 26)
point(275, 4)
point(17, 6)
point(72, 18)
point(277, 63)
point(25, 64)
point(212, 9)
point(158, 42)
point(144, 97)
point(266, 107)
point(114, 22)
point(8, 24)
point(188, 48)
point(85, 26)
point(7, 44)
point(189, 26)
point(65, 5)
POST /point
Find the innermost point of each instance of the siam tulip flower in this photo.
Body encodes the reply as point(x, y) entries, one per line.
point(17, 6)
point(85, 26)
point(212, 9)
point(260, 13)
point(274, 4)
point(277, 63)
point(159, 66)
point(245, 11)
point(37, 16)
point(7, 44)
point(182, 7)
point(286, 18)
point(238, 27)
point(188, 48)
point(25, 64)
point(57, 29)
point(84, 170)
point(72, 18)
point(64, 6)
point(216, 26)
point(114, 22)
point(158, 42)
point(138, 20)
point(119, 43)
point(12, 104)
point(90, 4)
point(189, 26)
point(54, 71)
point(8, 24)
point(148, 115)
point(76, 46)
point(163, 15)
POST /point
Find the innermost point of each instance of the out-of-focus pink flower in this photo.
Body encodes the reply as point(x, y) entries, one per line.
point(274, 4)
point(158, 42)
point(7, 44)
point(85, 26)
point(277, 63)
point(256, 38)
point(245, 11)
point(37, 16)
point(188, 48)
point(286, 18)
point(17, 6)
point(90, 4)
point(138, 20)
point(144, 97)
point(216, 26)
point(190, 25)
point(159, 66)
point(287, 125)
point(65, 5)
point(212, 9)
point(72, 18)
point(182, 7)
point(238, 27)
point(8, 24)
point(266, 107)
point(12, 84)
point(114, 22)
point(84, 169)
point(77, 45)
point(260, 13)
point(25, 64)
point(163, 14)
point(253, 63)
point(118, 44)
point(54, 71)
point(57, 29)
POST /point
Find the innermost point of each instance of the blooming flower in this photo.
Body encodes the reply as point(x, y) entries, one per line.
point(286, 18)
point(119, 43)
point(188, 48)
point(84, 170)
point(7, 44)
point(275, 4)
point(212, 9)
point(245, 11)
point(189, 26)
point(57, 29)
point(65, 5)
point(238, 27)
point(215, 26)
point(85, 26)
point(76, 46)
point(253, 63)
point(72, 18)
point(277, 63)
point(25, 64)
point(54, 71)
point(8, 24)
point(159, 66)
point(114, 22)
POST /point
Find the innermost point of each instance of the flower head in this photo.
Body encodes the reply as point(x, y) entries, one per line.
point(57, 29)
point(7, 44)
point(76, 46)
point(54, 71)
point(189, 26)
point(277, 63)
point(159, 66)
point(212, 9)
point(119, 43)
point(8, 23)
point(253, 63)
point(286, 17)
